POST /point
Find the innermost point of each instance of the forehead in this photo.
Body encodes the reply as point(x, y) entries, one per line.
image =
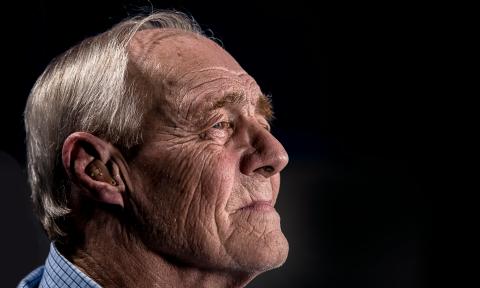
point(174, 51)
point(188, 70)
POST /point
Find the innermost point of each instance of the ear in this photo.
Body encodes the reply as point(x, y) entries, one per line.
point(97, 167)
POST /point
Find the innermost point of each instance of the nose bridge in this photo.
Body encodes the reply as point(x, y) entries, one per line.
point(267, 155)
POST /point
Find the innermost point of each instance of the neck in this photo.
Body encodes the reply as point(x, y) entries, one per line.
point(114, 257)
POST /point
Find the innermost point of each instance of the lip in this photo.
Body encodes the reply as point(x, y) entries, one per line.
point(259, 206)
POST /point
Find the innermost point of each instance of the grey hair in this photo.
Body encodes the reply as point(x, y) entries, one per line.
point(88, 88)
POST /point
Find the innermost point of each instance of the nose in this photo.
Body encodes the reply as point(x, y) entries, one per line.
point(266, 155)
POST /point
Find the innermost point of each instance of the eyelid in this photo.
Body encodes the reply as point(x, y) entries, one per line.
point(220, 116)
point(230, 123)
point(212, 120)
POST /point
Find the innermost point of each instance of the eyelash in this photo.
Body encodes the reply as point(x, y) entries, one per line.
point(223, 125)
point(229, 125)
point(267, 127)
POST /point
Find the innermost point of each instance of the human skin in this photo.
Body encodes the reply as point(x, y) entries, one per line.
point(199, 193)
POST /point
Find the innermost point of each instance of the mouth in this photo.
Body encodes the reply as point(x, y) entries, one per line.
point(259, 206)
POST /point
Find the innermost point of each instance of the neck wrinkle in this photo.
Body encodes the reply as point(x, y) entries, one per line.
point(113, 257)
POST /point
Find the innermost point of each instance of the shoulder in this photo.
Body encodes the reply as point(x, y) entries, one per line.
point(57, 272)
point(33, 279)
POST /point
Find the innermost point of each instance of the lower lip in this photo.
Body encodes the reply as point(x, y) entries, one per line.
point(260, 207)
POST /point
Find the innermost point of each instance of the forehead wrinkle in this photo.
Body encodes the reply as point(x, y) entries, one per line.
point(213, 68)
point(229, 98)
point(213, 80)
point(183, 93)
point(185, 101)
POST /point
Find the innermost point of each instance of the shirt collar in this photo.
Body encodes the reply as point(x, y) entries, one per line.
point(59, 272)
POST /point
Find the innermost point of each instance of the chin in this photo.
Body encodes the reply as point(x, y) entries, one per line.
point(263, 254)
point(274, 253)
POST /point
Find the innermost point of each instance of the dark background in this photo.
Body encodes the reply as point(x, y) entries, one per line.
point(357, 102)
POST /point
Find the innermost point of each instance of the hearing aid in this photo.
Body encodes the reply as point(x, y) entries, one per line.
point(98, 171)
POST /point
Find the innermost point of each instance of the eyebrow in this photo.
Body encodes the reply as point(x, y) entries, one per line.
point(229, 98)
point(263, 105)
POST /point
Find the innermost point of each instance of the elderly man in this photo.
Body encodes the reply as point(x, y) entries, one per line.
point(152, 164)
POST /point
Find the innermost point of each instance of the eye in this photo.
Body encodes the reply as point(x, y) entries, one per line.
point(267, 127)
point(223, 125)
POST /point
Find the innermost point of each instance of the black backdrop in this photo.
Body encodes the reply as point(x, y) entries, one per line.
point(350, 88)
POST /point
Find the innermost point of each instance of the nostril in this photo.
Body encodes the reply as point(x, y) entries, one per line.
point(268, 169)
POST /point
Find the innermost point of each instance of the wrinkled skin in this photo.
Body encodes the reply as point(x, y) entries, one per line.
point(200, 169)
point(202, 185)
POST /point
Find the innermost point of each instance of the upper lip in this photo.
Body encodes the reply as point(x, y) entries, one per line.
point(257, 194)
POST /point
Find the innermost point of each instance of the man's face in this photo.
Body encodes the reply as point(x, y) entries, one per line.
point(207, 176)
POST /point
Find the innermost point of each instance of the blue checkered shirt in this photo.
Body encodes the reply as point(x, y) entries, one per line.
point(57, 272)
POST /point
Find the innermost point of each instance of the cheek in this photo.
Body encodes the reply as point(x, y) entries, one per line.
point(222, 174)
point(205, 173)
point(190, 184)
point(186, 191)
point(215, 188)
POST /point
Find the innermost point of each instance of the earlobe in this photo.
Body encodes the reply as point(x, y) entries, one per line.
point(91, 164)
